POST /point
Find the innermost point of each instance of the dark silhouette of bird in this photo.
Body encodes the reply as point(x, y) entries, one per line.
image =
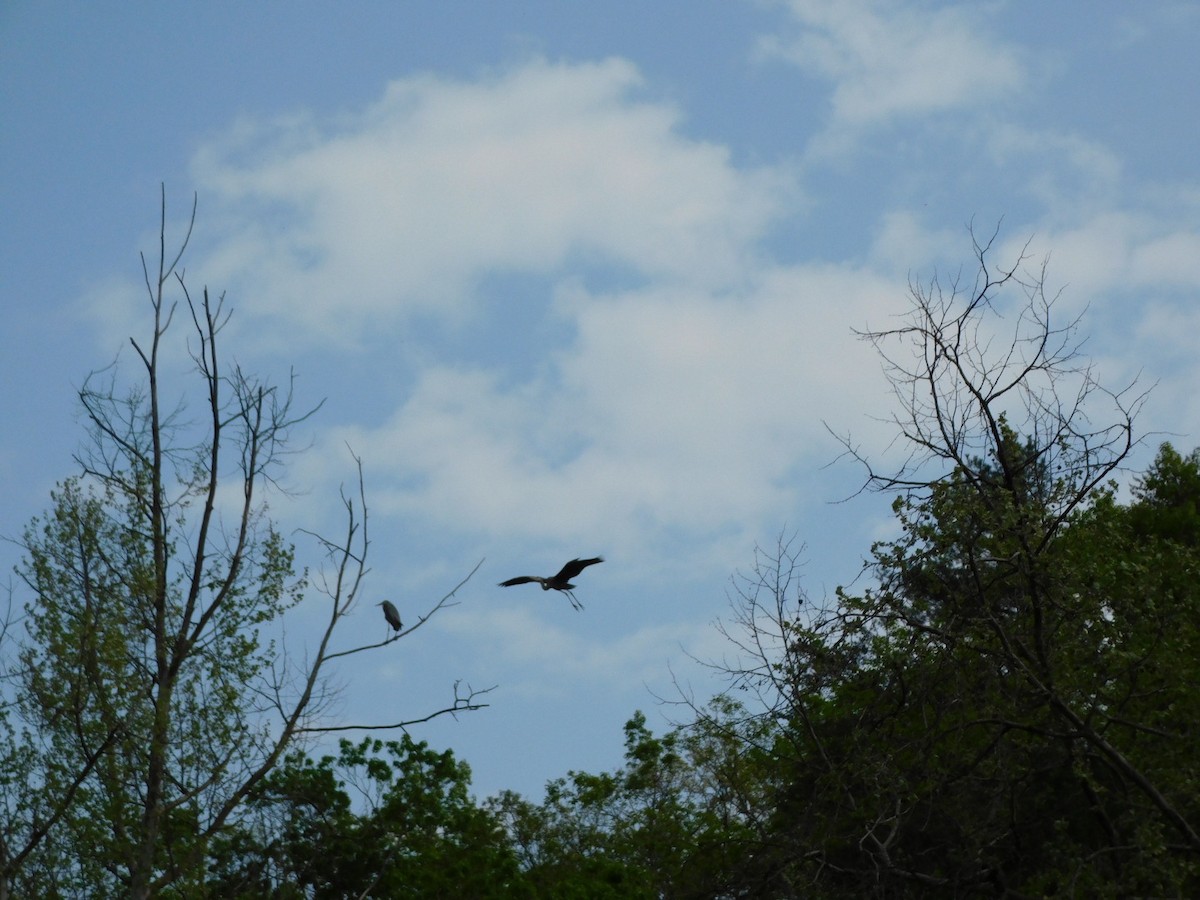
point(391, 614)
point(559, 582)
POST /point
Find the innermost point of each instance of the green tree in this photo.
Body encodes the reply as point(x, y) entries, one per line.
point(411, 829)
point(676, 820)
point(983, 577)
point(1007, 709)
point(150, 699)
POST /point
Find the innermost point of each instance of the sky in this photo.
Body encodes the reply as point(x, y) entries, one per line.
point(580, 280)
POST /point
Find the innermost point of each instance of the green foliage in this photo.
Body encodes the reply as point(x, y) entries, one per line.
point(413, 832)
point(1016, 707)
point(146, 701)
point(675, 821)
point(117, 668)
point(1167, 496)
point(998, 714)
point(1008, 707)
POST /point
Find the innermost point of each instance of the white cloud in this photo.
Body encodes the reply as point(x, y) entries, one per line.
point(888, 61)
point(681, 406)
point(1134, 25)
point(1166, 358)
point(400, 209)
point(904, 242)
point(1070, 175)
point(1133, 275)
point(1115, 252)
point(1171, 260)
point(673, 414)
point(546, 658)
point(689, 406)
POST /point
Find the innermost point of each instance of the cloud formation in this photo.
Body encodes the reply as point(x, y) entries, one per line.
point(677, 401)
point(401, 209)
point(887, 61)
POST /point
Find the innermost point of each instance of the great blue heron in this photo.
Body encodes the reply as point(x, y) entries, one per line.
point(391, 614)
point(559, 582)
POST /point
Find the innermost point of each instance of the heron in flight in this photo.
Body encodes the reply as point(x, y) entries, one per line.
point(391, 614)
point(559, 582)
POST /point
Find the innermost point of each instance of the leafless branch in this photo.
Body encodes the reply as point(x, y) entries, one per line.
point(444, 603)
point(462, 703)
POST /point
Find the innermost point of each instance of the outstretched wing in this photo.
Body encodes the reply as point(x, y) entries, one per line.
point(574, 567)
point(523, 579)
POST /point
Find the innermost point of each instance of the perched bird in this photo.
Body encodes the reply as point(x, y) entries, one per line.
point(559, 582)
point(391, 614)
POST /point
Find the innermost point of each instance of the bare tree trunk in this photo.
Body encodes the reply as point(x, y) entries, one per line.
point(171, 707)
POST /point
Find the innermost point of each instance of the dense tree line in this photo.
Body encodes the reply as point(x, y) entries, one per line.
point(1007, 708)
point(902, 753)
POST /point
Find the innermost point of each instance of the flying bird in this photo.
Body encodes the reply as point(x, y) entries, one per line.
point(559, 582)
point(391, 614)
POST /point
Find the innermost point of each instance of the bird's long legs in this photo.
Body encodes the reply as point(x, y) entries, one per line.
point(574, 601)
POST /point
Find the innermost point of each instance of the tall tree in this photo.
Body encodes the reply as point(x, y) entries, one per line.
point(1006, 708)
point(382, 818)
point(152, 697)
point(1015, 422)
point(680, 819)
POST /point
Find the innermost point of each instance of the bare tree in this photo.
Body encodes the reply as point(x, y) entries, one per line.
point(980, 683)
point(1013, 416)
point(154, 700)
point(976, 361)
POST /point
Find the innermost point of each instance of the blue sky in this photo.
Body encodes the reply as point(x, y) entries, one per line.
point(581, 279)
